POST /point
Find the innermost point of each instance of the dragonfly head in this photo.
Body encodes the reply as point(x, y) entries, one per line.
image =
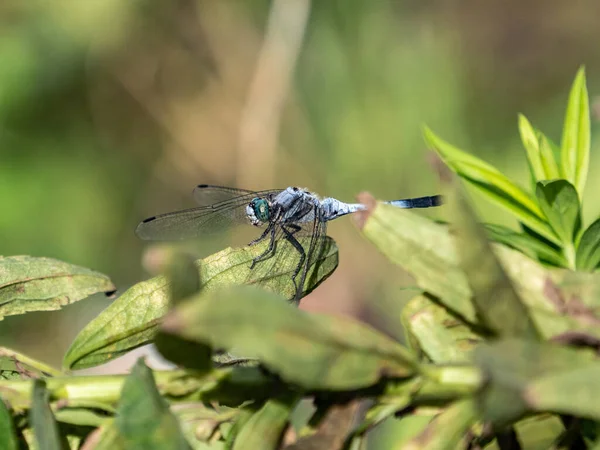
point(258, 211)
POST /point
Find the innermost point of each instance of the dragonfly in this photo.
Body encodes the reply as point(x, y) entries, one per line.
point(293, 215)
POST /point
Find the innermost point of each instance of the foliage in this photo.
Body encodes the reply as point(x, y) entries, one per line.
point(501, 337)
point(550, 216)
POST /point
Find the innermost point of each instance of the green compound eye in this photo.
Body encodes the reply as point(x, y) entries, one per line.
point(261, 209)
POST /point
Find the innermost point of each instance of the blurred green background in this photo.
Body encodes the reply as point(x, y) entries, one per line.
point(112, 111)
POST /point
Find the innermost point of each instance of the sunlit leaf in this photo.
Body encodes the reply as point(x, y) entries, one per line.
point(47, 436)
point(423, 248)
point(313, 351)
point(558, 199)
point(131, 320)
point(547, 155)
point(493, 184)
point(265, 428)
point(588, 250)
point(44, 284)
point(575, 146)
point(532, 147)
point(8, 439)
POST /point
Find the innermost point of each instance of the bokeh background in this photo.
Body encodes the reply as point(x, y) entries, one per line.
point(112, 111)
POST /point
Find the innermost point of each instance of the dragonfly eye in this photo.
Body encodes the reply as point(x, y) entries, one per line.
point(260, 208)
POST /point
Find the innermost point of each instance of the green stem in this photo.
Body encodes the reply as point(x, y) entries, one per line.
point(80, 389)
point(449, 382)
point(569, 252)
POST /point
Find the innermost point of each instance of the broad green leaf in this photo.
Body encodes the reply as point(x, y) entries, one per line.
point(44, 284)
point(441, 336)
point(265, 428)
point(498, 305)
point(143, 417)
point(8, 439)
point(532, 147)
point(423, 248)
point(588, 250)
point(575, 146)
point(313, 351)
point(526, 376)
point(184, 282)
point(493, 184)
point(45, 429)
point(447, 430)
point(526, 244)
point(14, 366)
point(131, 320)
point(558, 199)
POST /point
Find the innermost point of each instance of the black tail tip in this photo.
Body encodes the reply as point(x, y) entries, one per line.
point(149, 219)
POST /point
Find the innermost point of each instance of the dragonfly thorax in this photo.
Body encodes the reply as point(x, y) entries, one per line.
point(258, 211)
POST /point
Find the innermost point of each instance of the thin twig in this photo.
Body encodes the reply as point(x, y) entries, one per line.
point(261, 116)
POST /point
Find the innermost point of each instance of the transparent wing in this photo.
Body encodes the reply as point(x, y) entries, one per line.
point(206, 194)
point(201, 221)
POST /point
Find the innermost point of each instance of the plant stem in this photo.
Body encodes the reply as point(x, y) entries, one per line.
point(569, 252)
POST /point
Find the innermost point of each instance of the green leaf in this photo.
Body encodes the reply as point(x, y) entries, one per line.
point(447, 430)
point(143, 417)
point(532, 147)
point(526, 376)
point(526, 244)
point(423, 248)
point(45, 429)
point(8, 439)
point(558, 199)
point(14, 366)
point(265, 428)
point(184, 282)
point(539, 432)
point(44, 284)
point(547, 156)
point(498, 305)
point(588, 250)
point(575, 146)
point(313, 351)
point(493, 184)
point(131, 320)
point(441, 336)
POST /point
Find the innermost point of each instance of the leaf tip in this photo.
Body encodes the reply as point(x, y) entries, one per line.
point(361, 217)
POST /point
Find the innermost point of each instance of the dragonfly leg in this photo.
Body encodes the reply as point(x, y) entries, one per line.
point(270, 251)
point(261, 237)
point(289, 235)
